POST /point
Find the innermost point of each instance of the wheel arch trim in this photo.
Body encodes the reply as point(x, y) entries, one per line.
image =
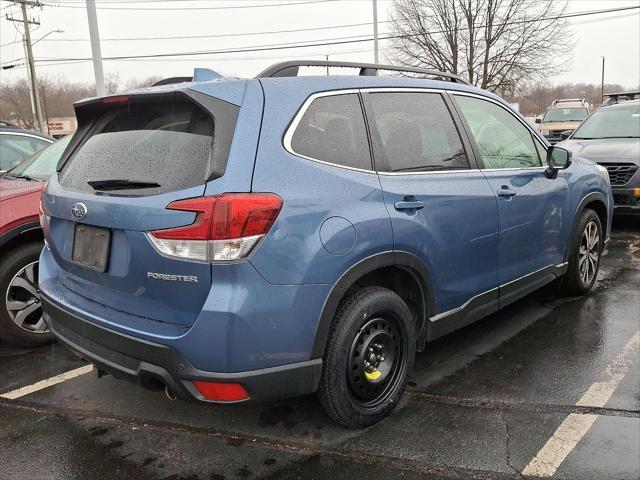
point(587, 199)
point(404, 260)
point(19, 230)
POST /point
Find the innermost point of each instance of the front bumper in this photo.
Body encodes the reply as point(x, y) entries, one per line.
point(626, 201)
point(112, 352)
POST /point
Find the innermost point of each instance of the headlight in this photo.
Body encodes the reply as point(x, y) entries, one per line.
point(604, 171)
point(544, 132)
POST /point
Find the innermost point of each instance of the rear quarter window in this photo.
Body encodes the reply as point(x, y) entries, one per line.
point(332, 130)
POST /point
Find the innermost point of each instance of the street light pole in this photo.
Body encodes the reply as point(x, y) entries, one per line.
point(32, 68)
point(95, 47)
point(375, 31)
point(602, 84)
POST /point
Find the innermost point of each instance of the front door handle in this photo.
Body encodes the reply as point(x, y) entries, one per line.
point(506, 192)
point(408, 204)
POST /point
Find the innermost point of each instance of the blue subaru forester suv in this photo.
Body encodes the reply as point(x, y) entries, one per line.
point(251, 239)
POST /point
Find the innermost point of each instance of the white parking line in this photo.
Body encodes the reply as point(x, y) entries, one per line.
point(63, 377)
point(575, 426)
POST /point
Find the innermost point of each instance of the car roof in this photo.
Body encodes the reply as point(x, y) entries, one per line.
point(24, 131)
point(622, 104)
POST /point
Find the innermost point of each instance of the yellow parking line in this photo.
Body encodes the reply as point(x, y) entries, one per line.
point(63, 377)
point(575, 426)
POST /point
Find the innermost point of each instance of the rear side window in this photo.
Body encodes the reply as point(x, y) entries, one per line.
point(332, 130)
point(169, 143)
point(416, 133)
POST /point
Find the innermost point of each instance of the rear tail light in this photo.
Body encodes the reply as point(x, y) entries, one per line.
point(227, 227)
point(223, 392)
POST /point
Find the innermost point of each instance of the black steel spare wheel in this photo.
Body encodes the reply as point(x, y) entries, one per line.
point(368, 357)
point(376, 360)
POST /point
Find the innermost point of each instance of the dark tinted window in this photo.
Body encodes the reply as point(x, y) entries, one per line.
point(332, 130)
point(417, 133)
point(166, 142)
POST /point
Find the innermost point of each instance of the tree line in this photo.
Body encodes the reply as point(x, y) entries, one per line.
point(57, 96)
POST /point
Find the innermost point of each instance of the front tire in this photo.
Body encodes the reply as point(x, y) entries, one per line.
point(21, 321)
point(586, 251)
point(369, 356)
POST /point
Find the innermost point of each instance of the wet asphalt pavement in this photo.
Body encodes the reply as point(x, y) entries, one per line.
point(482, 403)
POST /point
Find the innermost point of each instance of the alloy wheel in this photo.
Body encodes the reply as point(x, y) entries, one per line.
point(23, 300)
point(589, 254)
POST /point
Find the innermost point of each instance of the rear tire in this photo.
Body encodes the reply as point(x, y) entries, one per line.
point(585, 253)
point(21, 320)
point(369, 356)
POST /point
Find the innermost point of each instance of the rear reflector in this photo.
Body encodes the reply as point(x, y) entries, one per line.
point(227, 227)
point(223, 392)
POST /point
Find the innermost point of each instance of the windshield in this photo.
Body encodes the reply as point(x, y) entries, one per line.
point(565, 115)
point(43, 164)
point(615, 122)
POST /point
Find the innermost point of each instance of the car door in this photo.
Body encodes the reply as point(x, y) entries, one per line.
point(533, 210)
point(441, 207)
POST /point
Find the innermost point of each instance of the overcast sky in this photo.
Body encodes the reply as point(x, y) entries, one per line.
point(615, 36)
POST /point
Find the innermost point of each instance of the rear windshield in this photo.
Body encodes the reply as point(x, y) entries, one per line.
point(145, 148)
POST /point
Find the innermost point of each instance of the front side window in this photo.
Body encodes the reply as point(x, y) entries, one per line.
point(416, 133)
point(503, 141)
point(15, 148)
point(565, 115)
point(332, 130)
point(612, 122)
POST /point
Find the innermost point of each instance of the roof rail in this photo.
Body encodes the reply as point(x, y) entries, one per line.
point(567, 100)
point(291, 68)
point(4, 123)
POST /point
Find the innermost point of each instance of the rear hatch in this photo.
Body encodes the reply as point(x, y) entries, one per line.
point(131, 157)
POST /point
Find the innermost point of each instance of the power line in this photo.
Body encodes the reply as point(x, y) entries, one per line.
point(218, 35)
point(179, 9)
point(327, 42)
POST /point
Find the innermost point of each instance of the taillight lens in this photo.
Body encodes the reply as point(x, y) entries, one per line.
point(227, 227)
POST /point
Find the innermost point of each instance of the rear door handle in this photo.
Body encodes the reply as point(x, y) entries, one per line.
point(409, 205)
point(506, 192)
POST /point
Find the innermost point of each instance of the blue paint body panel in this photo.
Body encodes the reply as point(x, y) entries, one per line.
point(265, 311)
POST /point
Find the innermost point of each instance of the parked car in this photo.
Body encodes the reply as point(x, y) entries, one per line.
point(21, 320)
point(249, 239)
point(611, 138)
point(17, 143)
point(611, 98)
point(562, 115)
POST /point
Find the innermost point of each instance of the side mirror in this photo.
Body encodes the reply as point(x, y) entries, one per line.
point(566, 134)
point(557, 159)
point(538, 120)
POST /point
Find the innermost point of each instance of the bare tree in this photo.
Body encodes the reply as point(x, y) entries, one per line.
point(499, 45)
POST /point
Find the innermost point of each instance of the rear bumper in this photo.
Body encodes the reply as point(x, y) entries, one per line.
point(112, 352)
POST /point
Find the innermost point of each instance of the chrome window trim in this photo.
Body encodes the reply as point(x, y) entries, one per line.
point(526, 124)
point(288, 136)
point(22, 134)
point(433, 172)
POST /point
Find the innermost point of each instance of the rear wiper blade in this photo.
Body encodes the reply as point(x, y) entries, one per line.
point(121, 184)
point(20, 176)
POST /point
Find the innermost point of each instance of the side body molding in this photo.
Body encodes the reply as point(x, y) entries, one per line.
point(404, 260)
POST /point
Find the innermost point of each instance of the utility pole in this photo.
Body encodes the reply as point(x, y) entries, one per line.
point(602, 84)
point(375, 31)
point(37, 111)
point(95, 47)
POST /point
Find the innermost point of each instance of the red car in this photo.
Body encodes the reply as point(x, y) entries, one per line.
point(21, 242)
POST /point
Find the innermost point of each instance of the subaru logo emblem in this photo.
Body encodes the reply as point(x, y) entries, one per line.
point(79, 211)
